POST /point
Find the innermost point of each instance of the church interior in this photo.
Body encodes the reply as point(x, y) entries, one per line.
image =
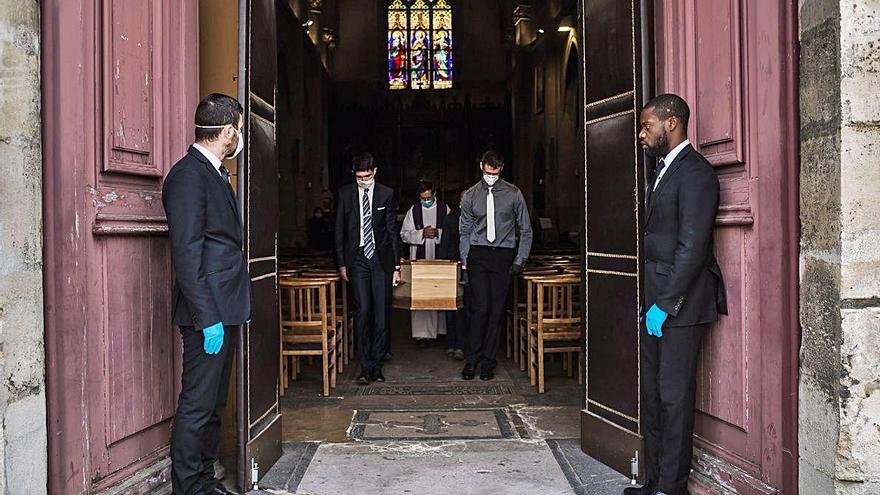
point(499, 74)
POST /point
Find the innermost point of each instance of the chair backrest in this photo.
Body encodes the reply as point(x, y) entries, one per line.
point(305, 302)
point(531, 293)
point(556, 303)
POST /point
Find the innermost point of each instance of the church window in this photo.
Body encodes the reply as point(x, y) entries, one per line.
point(419, 44)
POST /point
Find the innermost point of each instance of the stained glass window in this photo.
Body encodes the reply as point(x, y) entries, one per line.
point(419, 44)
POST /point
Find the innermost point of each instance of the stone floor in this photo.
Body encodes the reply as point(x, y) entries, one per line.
point(427, 431)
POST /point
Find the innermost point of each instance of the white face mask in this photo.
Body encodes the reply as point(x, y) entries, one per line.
point(237, 148)
point(490, 179)
point(240, 145)
point(366, 184)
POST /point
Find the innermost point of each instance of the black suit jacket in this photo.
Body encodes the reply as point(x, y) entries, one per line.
point(449, 248)
point(212, 283)
point(681, 274)
point(348, 225)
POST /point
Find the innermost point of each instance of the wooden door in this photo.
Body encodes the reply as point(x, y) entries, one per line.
point(119, 89)
point(613, 182)
point(732, 60)
point(259, 418)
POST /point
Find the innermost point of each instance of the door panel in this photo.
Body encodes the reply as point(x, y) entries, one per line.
point(609, 48)
point(140, 394)
point(119, 91)
point(726, 372)
point(728, 59)
point(259, 418)
point(613, 178)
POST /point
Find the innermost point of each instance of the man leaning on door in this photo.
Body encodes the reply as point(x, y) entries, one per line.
point(683, 291)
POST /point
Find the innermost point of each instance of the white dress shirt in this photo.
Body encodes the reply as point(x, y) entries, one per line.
point(360, 205)
point(210, 156)
point(668, 159)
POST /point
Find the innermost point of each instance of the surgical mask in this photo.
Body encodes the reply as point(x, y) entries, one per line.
point(490, 179)
point(366, 184)
point(427, 203)
point(240, 139)
point(237, 148)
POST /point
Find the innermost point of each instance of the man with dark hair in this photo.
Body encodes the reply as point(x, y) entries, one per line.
point(491, 211)
point(422, 232)
point(212, 288)
point(683, 291)
point(367, 254)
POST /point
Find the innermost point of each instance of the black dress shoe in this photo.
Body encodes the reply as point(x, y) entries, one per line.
point(388, 356)
point(487, 375)
point(469, 371)
point(378, 376)
point(644, 490)
point(362, 379)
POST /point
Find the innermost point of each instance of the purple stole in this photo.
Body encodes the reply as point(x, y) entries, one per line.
point(420, 223)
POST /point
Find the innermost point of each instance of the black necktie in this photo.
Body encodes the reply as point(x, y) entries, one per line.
point(650, 192)
point(225, 174)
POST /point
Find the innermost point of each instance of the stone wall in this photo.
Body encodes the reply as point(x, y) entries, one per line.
point(22, 393)
point(839, 390)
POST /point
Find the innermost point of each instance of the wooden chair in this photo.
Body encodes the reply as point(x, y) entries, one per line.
point(518, 308)
point(527, 313)
point(324, 266)
point(557, 327)
point(338, 301)
point(307, 330)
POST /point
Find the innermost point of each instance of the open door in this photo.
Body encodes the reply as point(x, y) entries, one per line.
point(259, 419)
point(614, 177)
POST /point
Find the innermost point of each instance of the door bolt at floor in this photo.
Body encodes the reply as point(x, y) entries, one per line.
point(255, 473)
point(634, 468)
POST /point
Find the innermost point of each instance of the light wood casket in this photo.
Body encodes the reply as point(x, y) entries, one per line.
point(428, 285)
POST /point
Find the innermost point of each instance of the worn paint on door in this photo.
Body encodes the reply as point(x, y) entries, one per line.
point(119, 86)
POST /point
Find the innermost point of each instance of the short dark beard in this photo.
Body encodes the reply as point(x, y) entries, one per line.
point(661, 148)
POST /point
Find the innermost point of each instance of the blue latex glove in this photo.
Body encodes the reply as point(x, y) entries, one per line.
point(213, 338)
point(654, 321)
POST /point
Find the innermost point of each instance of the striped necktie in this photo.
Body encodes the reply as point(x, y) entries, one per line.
point(369, 246)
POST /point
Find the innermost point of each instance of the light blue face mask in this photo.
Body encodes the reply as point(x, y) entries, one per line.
point(427, 203)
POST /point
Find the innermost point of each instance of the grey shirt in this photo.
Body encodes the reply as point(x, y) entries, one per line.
point(510, 212)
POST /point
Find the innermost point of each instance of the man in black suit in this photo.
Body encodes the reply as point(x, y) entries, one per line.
point(367, 254)
point(683, 291)
point(212, 288)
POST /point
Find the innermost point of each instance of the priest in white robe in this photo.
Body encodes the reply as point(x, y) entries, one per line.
point(421, 231)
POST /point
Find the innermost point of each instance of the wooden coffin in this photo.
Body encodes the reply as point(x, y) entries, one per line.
point(428, 285)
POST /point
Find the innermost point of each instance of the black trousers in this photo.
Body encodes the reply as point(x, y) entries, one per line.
point(489, 278)
point(457, 326)
point(370, 286)
point(668, 383)
point(195, 436)
point(388, 322)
